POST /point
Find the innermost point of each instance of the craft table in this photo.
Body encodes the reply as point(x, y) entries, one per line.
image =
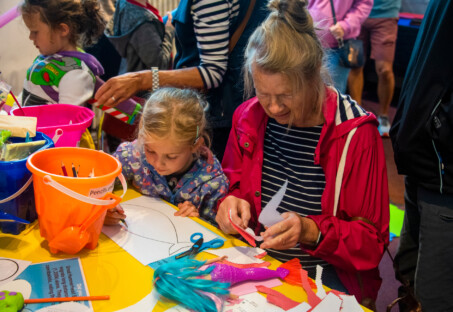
point(110, 270)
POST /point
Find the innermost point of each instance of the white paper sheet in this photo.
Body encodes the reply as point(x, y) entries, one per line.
point(239, 254)
point(66, 307)
point(303, 307)
point(153, 232)
point(330, 303)
point(11, 268)
point(18, 285)
point(247, 303)
point(350, 304)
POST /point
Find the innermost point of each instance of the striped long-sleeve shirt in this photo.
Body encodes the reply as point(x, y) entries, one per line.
point(212, 24)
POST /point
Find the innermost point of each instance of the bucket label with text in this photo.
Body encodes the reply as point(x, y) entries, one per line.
point(101, 191)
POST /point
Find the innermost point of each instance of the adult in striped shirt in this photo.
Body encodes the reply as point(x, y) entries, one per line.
point(298, 129)
point(203, 60)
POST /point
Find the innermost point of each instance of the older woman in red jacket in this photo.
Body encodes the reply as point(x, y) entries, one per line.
point(335, 210)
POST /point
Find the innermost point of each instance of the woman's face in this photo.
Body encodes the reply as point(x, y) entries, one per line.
point(167, 155)
point(276, 96)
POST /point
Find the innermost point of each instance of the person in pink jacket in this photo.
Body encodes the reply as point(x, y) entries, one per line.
point(299, 130)
point(350, 15)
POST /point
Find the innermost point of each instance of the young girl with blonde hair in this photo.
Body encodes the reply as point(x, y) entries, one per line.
point(171, 157)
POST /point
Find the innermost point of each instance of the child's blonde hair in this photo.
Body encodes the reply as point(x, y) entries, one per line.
point(83, 17)
point(176, 112)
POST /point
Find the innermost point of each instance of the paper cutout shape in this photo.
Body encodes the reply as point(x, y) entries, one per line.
point(321, 293)
point(312, 299)
point(248, 233)
point(330, 303)
point(350, 304)
point(277, 298)
point(269, 215)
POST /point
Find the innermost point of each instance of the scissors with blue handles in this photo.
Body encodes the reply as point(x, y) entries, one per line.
point(200, 245)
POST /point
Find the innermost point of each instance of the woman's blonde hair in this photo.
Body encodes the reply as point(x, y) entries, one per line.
point(176, 112)
point(286, 43)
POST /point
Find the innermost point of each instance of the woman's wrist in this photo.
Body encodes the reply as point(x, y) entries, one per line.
point(310, 234)
point(144, 80)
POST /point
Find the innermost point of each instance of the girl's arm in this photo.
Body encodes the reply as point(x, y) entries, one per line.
point(211, 192)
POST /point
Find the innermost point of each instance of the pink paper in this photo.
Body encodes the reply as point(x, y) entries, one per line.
point(277, 298)
point(250, 287)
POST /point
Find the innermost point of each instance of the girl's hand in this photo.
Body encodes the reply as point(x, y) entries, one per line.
point(287, 233)
point(114, 215)
point(187, 209)
point(240, 214)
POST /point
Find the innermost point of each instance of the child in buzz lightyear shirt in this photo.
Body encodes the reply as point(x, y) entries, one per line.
point(61, 73)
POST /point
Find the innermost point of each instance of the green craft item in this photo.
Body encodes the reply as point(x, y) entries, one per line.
point(16, 151)
point(11, 301)
point(396, 220)
point(4, 136)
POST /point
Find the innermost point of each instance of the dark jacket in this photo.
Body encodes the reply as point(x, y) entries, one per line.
point(140, 38)
point(422, 132)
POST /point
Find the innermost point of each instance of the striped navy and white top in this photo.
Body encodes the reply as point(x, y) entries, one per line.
point(212, 21)
point(289, 154)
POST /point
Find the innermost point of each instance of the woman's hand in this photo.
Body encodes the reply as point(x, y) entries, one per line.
point(240, 214)
point(169, 19)
point(337, 31)
point(114, 215)
point(287, 233)
point(187, 209)
point(120, 88)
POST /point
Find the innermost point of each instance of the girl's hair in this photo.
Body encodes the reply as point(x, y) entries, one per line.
point(176, 112)
point(83, 17)
point(286, 43)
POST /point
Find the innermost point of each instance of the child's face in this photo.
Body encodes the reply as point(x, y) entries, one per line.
point(167, 155)
point(45, 39)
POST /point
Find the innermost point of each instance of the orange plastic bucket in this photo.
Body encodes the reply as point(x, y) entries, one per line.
point(71, 210)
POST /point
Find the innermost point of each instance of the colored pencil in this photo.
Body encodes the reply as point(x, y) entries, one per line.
point(63, 299)
point(65, 173)
point(124, 222)
point(74, 172)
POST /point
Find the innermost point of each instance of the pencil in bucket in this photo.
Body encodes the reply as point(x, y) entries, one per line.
point(71, 209)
